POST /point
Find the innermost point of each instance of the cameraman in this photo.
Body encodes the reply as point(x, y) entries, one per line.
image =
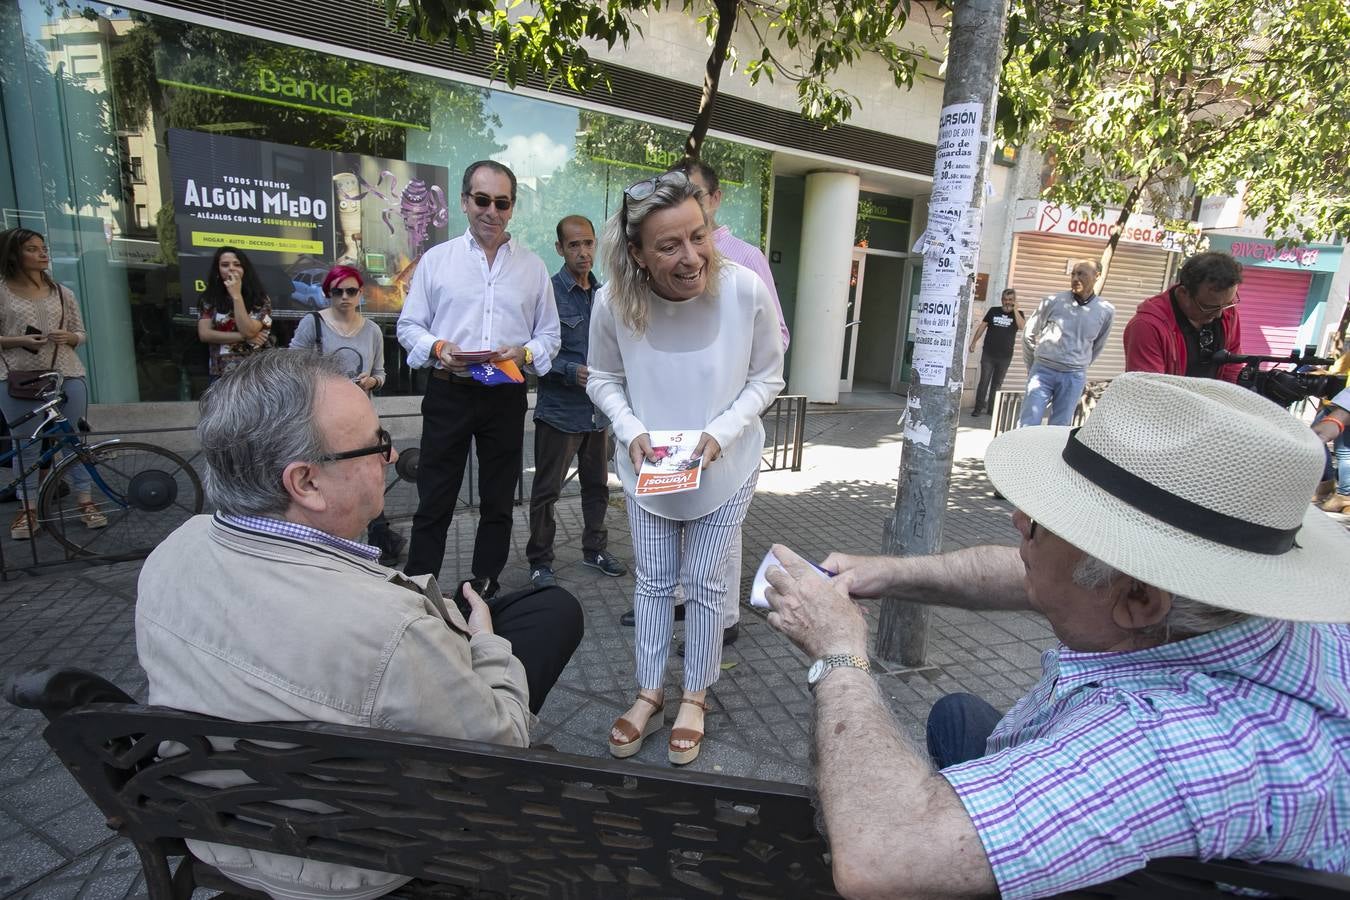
point(1179, 331)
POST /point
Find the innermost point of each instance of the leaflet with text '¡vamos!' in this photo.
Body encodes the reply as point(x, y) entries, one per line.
point(673, 467)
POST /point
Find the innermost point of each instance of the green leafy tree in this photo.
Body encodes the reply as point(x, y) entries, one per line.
point(802, 41)
point(1145, 105)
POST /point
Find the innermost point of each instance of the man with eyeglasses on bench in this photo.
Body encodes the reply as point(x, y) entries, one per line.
point(272, 610)
point(480, 291)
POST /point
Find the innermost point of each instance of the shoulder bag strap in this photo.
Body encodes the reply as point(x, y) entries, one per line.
point(61, 298)
point(318, 331)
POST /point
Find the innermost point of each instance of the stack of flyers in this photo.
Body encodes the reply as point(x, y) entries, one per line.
point(676, 468)
point(473, 356)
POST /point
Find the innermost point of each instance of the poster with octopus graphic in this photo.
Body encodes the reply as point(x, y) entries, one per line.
point(294, 212)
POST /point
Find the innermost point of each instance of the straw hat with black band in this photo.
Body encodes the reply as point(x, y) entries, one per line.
point(1191, 485)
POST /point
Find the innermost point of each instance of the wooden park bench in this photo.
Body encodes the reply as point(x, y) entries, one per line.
point(475, 820)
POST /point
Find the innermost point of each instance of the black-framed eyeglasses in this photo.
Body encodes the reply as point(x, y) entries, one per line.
point(483, 201)
point(344, 292)
point(385, 448)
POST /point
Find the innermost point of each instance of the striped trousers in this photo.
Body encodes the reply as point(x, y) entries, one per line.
point(693, 555)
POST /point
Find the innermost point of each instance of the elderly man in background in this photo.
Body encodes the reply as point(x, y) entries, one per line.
point(273, 611)
point(1061, 339)
point(1197, 705)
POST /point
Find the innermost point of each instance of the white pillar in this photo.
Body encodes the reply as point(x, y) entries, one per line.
point(829, 217)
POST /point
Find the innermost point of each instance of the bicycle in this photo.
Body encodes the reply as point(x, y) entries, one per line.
point(143, 491)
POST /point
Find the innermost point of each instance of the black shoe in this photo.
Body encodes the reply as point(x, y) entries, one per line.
point(485, 587)
point(542, 577)
point(628, 619)
point(729, 636)
point(975, 413)
point(605, 562)
point(391, 547)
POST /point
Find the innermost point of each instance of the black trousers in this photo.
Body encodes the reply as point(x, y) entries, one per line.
point(554, 451)
point(992, 370)
point(544, 626)
point(453, 413)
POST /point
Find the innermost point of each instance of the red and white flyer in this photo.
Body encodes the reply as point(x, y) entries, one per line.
point(676, 468)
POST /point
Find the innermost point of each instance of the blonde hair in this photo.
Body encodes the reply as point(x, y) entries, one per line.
point(629, 293)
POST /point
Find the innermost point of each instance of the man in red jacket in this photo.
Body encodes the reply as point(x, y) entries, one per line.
point(1179, 331)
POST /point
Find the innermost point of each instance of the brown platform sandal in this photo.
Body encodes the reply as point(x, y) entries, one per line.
point(632, 738)
point(682, 757)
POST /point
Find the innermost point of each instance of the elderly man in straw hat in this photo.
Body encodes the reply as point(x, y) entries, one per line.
point(1196, 705)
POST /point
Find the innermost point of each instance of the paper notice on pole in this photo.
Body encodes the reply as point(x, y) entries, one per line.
point(958, 147)
point(935, 324)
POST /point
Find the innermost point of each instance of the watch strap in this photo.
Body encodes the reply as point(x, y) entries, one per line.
point(841, 661)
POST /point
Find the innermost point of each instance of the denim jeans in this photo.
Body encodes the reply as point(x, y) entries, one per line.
point(1061, 390)
point(959, 726)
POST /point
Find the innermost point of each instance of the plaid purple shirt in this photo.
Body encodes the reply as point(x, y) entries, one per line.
point(1234, 744)
point(282, 528)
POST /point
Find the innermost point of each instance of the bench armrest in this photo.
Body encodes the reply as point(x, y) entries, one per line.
point(53, 690)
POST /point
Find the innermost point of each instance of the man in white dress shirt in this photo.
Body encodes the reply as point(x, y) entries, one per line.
point(478, 291)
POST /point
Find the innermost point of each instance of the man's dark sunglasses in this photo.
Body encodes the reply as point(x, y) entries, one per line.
point(385, 448)
point(483, 201)
point(348, 291)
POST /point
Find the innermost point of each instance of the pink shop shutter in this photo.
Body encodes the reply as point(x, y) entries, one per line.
point(1272, 309)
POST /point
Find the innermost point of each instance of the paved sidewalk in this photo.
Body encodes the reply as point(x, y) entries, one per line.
point(53, 842)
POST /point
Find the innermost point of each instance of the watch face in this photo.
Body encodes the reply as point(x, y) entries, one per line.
point(817, 669)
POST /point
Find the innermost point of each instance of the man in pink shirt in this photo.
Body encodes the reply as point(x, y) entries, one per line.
point(745, 254)
point(733, 248)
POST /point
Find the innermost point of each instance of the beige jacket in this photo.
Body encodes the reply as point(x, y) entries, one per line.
point(243, 625)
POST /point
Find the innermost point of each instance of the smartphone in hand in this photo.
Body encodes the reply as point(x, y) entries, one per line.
point(32, 330)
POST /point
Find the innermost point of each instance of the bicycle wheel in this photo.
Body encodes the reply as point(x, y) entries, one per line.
point(143, 492)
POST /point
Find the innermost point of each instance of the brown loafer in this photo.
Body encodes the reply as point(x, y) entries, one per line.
point(632, 737)
point(684, 756)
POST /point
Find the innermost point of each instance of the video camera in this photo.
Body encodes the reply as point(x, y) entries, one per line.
point(1284, 386)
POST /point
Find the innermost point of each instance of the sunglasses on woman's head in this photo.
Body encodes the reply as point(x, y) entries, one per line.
point(483, 201)
point(344, 292)
point(643, 189)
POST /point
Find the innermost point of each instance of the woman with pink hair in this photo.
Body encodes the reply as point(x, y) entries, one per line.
point(342, 332)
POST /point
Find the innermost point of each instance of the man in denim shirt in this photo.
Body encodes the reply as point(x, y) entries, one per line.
point(566, 425)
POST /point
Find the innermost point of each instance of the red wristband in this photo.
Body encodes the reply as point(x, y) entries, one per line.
point(436, 349)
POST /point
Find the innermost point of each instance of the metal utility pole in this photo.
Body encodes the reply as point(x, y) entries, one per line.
point(950, 247)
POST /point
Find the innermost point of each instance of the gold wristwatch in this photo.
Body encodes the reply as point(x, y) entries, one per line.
point(835, 661)
point(529, 357)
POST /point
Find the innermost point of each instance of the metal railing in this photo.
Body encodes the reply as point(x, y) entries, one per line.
point(1008, 407)
point(785, 433)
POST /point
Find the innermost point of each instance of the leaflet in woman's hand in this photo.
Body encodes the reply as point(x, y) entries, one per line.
point(673, 467)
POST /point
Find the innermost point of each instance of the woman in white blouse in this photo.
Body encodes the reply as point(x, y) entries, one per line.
point(681, 339)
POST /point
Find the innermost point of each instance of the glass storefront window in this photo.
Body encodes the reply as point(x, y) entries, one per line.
point(129, 138)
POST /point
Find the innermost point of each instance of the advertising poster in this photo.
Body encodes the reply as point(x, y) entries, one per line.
point(295, 212)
